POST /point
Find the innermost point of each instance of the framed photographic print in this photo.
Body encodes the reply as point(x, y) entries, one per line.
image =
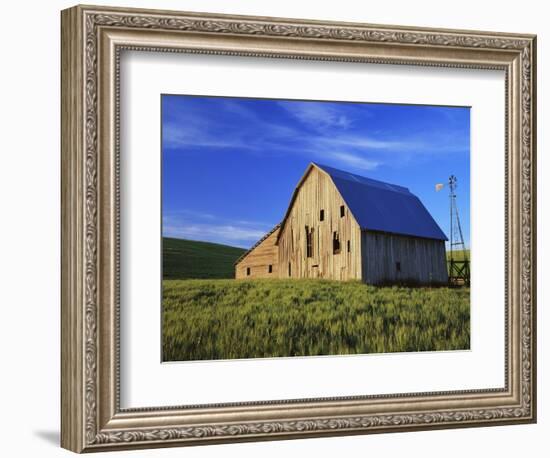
point(277, 228)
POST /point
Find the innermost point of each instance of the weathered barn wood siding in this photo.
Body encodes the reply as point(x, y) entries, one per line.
point(420, 260)
point(317, 192)
point(259, 259)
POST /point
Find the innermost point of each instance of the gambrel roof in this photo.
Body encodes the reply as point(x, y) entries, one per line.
point(379, 206)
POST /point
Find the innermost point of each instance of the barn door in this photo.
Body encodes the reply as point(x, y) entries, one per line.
point(314, 260)
point(315, 271)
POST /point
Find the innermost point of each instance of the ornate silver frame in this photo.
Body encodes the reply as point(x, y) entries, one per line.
point(92, 39)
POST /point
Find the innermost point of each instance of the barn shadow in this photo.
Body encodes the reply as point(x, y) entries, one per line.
point(412, 283)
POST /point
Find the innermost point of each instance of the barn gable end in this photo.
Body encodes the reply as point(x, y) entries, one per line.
point(261, 261)
point(319, 237)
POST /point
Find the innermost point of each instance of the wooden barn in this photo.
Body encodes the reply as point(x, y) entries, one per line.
point(342, 226)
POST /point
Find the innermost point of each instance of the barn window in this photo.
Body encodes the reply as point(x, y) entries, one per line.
point(322, 215)
point(270, 269)
point(248, 271)
point(335, 243)
point(309, 242)
point(342, 211)
point(398, 266)
point(289, 270)
point(349, 246)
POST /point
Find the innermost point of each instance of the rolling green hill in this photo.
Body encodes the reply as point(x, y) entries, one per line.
point(185, 259)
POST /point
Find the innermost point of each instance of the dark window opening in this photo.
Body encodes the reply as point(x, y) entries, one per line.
point(349, 246)
point(309, 242)
point(322, 215)
point(289, 270)
point(335, 243)
point(398, 266)
point(248, 271)
point(342, 211)
point(270, 269)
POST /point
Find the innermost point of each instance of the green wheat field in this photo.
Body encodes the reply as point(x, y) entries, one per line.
point(226, 319)
point(221, 318)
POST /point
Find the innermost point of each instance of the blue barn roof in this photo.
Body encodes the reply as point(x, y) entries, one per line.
point(379, 206)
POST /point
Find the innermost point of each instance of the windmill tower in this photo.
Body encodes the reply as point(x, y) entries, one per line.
point(458, 259)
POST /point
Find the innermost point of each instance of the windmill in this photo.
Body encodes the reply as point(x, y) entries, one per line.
point(459, 263)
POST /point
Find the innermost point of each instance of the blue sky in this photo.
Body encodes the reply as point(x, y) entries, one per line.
point(230, 164)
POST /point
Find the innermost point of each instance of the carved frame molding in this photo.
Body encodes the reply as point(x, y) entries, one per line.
point(92, 39)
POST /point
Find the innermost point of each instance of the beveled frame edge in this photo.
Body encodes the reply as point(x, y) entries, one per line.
point(91, 38)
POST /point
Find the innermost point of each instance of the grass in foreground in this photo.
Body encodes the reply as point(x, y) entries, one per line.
point(192, 259)
point(227, 319)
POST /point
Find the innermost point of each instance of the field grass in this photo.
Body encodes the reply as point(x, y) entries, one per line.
point(182, 259)
point(226, 319)
point(458, 255)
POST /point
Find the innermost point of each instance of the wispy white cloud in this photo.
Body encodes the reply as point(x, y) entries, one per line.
point(187, 213)
point(317, 115)
point(369, 143)
point(188, 224)
point(238, 109)
point(217, 233)
point(182, 135)
point(340, 135)
point(263, 137)
point(355, 160)
point(246, 130)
